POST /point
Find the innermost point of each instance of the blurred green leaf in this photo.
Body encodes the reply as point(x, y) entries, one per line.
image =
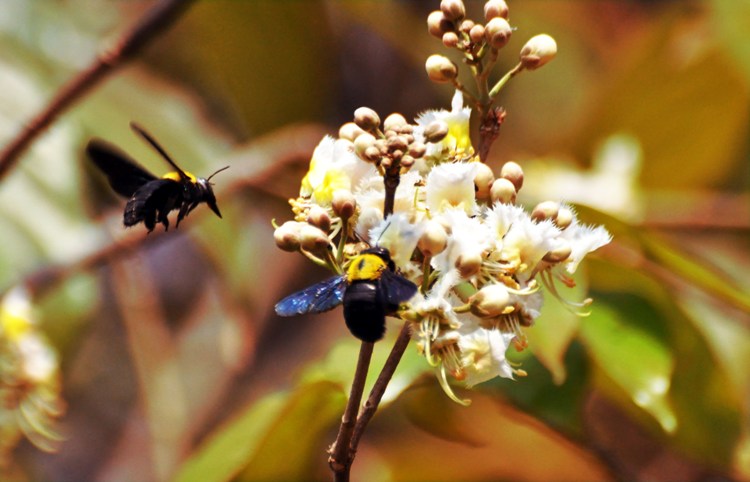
point(732, 19)
point(636, 361)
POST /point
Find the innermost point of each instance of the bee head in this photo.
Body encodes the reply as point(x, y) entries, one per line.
point(207, 192)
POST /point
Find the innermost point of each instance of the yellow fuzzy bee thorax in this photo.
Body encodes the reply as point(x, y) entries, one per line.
point(175, 176)
point(366, 267)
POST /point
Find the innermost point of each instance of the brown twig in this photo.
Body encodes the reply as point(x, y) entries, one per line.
point(154, 21)
point(341, 456)
point(376, 394)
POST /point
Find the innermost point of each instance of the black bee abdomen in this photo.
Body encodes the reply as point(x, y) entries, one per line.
point(365, 310)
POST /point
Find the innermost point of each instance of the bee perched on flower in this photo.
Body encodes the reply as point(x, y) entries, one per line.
point(479, 260)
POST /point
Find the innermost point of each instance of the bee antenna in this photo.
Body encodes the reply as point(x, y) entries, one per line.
point(216, 172)
point(150, 139)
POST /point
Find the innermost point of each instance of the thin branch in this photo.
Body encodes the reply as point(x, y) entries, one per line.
point(162, 15)
point(341, 456)
point(376, 394)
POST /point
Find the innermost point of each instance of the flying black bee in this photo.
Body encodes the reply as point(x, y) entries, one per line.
point(370, 289)
point(150, 199)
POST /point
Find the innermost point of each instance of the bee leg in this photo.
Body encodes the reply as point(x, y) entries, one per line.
point(184, 210)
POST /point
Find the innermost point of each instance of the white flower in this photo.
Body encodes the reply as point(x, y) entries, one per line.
point(483, 354)
point(457, 143)
point(398, 236)
point(583, 240)
point(468, 239)
point(333, 166)
point(451, 185)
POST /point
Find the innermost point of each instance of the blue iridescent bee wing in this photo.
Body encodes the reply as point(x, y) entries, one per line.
point(317, 298)
point(396, 288)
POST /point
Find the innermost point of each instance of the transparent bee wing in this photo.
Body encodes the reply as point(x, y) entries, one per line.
point(396, 288)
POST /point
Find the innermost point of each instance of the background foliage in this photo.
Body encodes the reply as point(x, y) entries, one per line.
point(174, 365)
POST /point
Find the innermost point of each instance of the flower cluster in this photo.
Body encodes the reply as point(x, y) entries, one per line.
point(455, 231)
point(29, 378)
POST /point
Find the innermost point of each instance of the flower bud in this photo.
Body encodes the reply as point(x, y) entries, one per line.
point(367, 119)
point(564, 217)
point(394, 122)
point(435, 131)
point(503, 191)
point(318, 217)
point(453, 9)
point(466, 25)
point(476, 34)
point(371, 154)
point(495, 8)
point(468, 264)
point(545, 210)
point(440, 68)
point(350, 131)
point(497, 32)
point(559, 254)
point(287, 236)
point(397, 142)
point(343, 203)
point(482, 181)
point(407, 161)
point(437, 24)
point(512, 172)
point(312, 238)
point(417, 149)
point(433, 240)
point(539, 50)
point(491, 301)
point(362, 142)
point(450, 39)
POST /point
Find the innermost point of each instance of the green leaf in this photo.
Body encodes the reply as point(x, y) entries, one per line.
point(633, 359)
point(277, 438)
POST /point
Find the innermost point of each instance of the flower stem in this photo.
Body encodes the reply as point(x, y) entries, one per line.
point(342, 456)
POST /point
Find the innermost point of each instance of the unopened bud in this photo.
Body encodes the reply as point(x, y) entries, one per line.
point(397, 142)
point(362, 142)
point(476, 34)
point(503, 191)
point(495, 8)
point(371, 154)
point(367, 119)
point(491, 301)
point(440, 68)
point(394, 122)
point(417, 149)
point(435, 131)
point(497, 32)
point(312, 238)
point(437, 24)
point(512, 172)
point(318, 217)
point(450, 39)
point(483, 181)
point(559, 254)
point(466, 25)
point(564, 217)
point(386, 162)
point(433, 240)
point(350, 131)
point(287, 236)
point(406, 161)
point(539, 50)
point(343, 203)
point(545, 210)
point(468, 265)
point(453, 9)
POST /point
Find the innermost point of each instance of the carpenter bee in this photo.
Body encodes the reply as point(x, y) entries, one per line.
point(370, 289)
point(150, 199)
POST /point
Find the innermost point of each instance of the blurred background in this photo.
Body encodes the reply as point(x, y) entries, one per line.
point(161, 353)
